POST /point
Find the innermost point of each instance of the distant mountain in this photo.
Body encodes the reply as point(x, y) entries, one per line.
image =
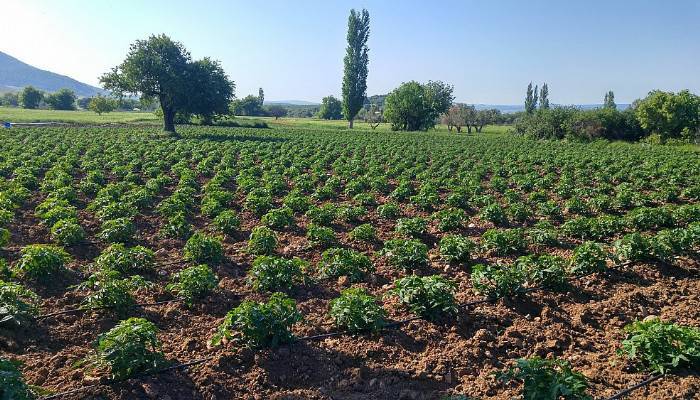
point(14, 75)
point(293, 102)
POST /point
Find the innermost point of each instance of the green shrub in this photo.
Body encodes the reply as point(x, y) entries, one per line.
point(279, 218)
point(494, 213)
point(41, 261)
point(118, 230)
point(12, 385)
point(496, 282)
point(450, 219)
point(323, 215)
point(321, 236)
point(351, 214)
point(262, 241)
point(193, 282)
point(427, 296)
point(407, 254)
point(271, 273)
point(204, 249)
point(258, 202)
point(389, 211)
point(543, 233)
point(661, 347)
point(551, 379)
point(357, 311)
point(109, 290)
point(502, 242)
point(456, 248)
point(411, 227)
point(545, 270)
point(131, 347)
point(176, 227)
point(338, 262)
point(4, 237)
point(126, 260)
point(227, 222)
point(633, 247)
point(364, 232)
point(297, 202)
point(259, 324)
point(588, 258)
point(67, 233)
point(18, 305)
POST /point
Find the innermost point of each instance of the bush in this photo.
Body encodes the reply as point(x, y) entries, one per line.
point(297, 202)
point(661, 347)
point(450, 219)
point(12, 385)
point(344, 262)
point(357, 311)
point(364, 232)
point(118, 230)
point(67, 233)
point(132, 347)
point(494, 213)
point(259, 324)
point(456, 248)
point(502, 242)
point(176, 227)
point(204, 249)
point(18, 305)
point(545, 270)
point(351, 214)
point(407, 254)
point(542, 233)
point(496, 282)
point(588, 258)
point(321, 236)
point(550, 379)
point(411, 227)
point(109, 290)
point(193, 283)
point(428, 296)
point(279, 218)
point(633, 247)
point(227, 222)
point(324, 215)
point(262, 241)
point(126, 260)
point(271, 273)
point(389, 211)
point(41, 262)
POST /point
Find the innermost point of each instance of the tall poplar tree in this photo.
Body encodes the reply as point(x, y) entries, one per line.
point(356, 60)
point(544, 97)
point(530, 102)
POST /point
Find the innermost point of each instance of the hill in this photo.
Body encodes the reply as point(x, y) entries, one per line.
point(15, 74)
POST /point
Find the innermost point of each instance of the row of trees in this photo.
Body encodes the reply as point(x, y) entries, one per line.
point(660, 115)
point(462, 115)
point(33, 98)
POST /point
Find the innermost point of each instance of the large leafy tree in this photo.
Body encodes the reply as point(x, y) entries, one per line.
point(331, 108)
point(63, 99)
point(30, 97)
point(356, 60)
point(668, 114)
point(160, 68)
point(414, 106)
point(248, 106)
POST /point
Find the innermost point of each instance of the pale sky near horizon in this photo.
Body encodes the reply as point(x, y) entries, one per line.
point(489, 50)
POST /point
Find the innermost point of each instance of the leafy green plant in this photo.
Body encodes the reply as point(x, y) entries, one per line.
point(431, 297)
point(542, 233)
point(551, 379)
point(41, 261)
point(323, 215)
point(406, 253)
point(272, 273)
point(255, 324)
point(126, 260)
point(389, 211)
point(297, 202)
point(176, 227)
point(411, 227)
point(67, 233)
point(544, 270)
point(227, 222)
point(109, 290)
point(503, 242)
point(203, 249)
point(364, 232)
point(633, 247)
point(321, 236)
point(498, 281)
point(279, 218)
point(338, 262)
point(18, 305)
point(193, 282)
point(12, 385)
point(130, 348)
point(494, 213)
point(262, 241)
point(450, 219)
point(661, 347)
point(588, 258)
point(357, 311)
point(118, 230)
point(350, 214)
point(456, 248)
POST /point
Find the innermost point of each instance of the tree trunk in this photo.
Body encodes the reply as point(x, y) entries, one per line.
point(350, 123)
point(459, 129)
point(469, 129)
point(478, 129)
point(169, 120)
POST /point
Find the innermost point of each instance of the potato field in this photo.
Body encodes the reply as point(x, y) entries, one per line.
point(315, 263)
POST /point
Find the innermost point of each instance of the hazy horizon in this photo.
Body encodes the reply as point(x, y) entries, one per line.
point(488, 51)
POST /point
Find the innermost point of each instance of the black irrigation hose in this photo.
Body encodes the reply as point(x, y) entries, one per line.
point(78, 310)
point(624, 392)
point(160, 371)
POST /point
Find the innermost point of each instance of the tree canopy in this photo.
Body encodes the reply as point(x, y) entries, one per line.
point(30, 97)
point(414, 106)
point(63, 99)
point(331, 108)
point(668, 114)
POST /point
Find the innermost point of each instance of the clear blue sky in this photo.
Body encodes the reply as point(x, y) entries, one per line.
point(489, 50)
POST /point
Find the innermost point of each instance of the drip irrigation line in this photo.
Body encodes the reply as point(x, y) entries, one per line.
point(624, 392)
point(78, 310)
